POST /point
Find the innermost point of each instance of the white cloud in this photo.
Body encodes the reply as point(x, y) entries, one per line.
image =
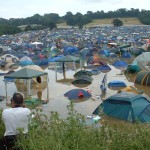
point(28, 8)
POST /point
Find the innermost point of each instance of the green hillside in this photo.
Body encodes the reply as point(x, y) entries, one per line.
point(99, 22)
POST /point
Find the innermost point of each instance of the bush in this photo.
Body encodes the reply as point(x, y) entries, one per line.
point(2, 127)
point(52, 132)
point(117, 22)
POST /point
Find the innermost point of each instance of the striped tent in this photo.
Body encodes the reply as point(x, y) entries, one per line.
point(143, 78)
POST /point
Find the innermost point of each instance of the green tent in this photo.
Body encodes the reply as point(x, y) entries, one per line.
point(83, 79)
point(127, 106)
point(28, 74)
point(143, 78)
point(132, 69)
point(82, 72)
point(67, 58)
point(124, 46)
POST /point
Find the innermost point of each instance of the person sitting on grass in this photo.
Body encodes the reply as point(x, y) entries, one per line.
point(16, 120)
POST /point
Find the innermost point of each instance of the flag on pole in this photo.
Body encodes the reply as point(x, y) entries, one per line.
point(104, 83)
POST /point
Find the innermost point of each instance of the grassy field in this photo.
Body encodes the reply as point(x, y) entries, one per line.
point(100, 22)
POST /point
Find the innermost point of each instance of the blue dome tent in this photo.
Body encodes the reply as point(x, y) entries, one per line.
point(77, 94)
point(120, 64)
point(104, 68)
point(116, 83)
point(126, 55)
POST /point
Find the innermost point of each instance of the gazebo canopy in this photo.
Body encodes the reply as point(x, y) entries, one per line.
point(26, 73)
point(68, 58)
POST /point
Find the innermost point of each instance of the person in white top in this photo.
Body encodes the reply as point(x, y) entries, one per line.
point(16, 119)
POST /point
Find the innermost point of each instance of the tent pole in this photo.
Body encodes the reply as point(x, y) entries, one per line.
point(75, 66)
point(47, 80)
point(147, 80)
point(29, 87)
point(55, 71)
point(80, 64)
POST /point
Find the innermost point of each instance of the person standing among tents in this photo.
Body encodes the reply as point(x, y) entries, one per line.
point(16, 120)
point(39, 96)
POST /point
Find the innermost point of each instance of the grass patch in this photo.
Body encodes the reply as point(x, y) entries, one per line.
point(100, 22)
point(126, 21)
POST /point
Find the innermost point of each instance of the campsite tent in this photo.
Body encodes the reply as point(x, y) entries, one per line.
point(127, 106)
point(24, 61)
point(120, 64)
point(77, 94)
point(28, 74)
point(82, 80)
point(132, 69)
point(82, 72)
point(124, 46)
point(68, 59)
point(126, 55)
point(131, 89)
point(104, 68)
point(116, 83)
point(142, 60)
point(143, 78)
point(9, 58)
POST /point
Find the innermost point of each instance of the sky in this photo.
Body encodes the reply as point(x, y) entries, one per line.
point(27, 8)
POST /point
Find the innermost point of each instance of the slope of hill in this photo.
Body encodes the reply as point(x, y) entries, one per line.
point(100, 22)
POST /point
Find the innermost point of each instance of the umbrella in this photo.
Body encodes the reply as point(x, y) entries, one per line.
point(75, 94)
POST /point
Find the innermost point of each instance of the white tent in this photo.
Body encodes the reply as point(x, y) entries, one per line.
point(142, 60)
point(25, 58)
point(9, 58)
point(36, 44)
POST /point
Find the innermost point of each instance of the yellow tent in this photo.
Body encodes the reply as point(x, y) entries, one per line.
point(131, 89)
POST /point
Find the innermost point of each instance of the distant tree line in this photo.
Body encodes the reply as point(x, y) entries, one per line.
point(11, 26)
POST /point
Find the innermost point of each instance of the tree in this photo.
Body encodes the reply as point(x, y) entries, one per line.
point(7, 29)
point(52, 25)
point(117, 22)
point(69, 17)
point(144, 17)
point(28, 27)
